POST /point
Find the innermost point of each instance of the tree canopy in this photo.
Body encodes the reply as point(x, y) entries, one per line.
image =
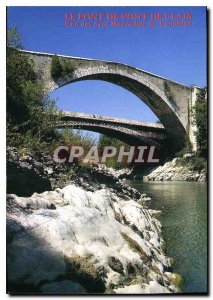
point(30, 114)
point(201, 115)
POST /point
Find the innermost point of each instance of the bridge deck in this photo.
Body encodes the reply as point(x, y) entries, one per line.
point(106, 61)
point(95, 117)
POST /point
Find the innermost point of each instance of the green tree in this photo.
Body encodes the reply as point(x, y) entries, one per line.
point(14, 38)
point(22, 89)
point(200, 112)
point(30, 114)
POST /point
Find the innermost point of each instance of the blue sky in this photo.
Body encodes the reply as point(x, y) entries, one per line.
point(176, 53)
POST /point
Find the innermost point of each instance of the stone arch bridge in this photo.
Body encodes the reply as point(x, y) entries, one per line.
point(129, 131)
point(170, 101)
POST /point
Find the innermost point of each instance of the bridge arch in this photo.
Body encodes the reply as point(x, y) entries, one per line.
point(148, 93)
point(147, 87)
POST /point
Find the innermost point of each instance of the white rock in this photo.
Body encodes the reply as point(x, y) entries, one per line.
point(46, 227)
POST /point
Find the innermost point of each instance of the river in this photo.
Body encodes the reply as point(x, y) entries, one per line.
point(184, 227)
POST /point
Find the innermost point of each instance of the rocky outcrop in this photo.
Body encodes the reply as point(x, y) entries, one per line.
point(121, 173)
point(75, 241)
point(175, 171)
point(25, 175)
point(29, 173)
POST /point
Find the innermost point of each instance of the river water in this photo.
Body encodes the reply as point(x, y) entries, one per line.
point(184, 227)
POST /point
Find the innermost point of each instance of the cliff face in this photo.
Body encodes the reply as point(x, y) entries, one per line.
point(70, 241)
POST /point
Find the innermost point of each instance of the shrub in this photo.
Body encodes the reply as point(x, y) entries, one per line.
point(197, 163)
point(68, 67)
point(56, 68)
point(61, 67)
point(200, 113)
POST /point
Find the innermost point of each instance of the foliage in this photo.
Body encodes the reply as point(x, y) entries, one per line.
point(67, 66)
point(78, 138)
point(30, 114)
point(13, 38)
point(200, 114)
point(197, 163)
point(61, 67)
point(56, 68)
point(112, 162)
point(22, 90)
point(194, 163)
point(69, 137)
point(105, 140)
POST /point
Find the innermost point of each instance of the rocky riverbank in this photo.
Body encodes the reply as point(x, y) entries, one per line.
point(93, 234)
point(175, 170)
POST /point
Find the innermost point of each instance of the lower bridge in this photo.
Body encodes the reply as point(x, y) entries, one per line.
point(129, 131)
